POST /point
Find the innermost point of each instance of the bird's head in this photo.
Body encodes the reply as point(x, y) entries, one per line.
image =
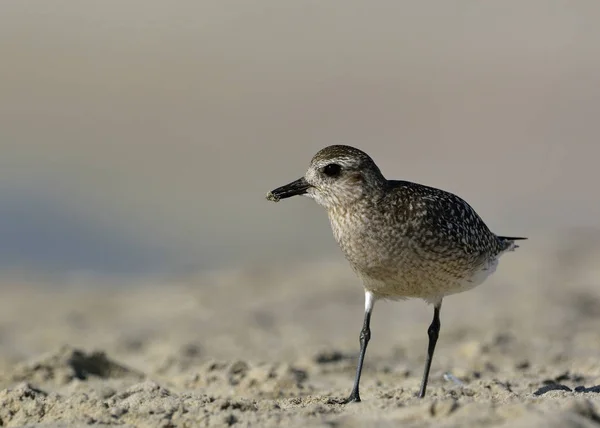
point(337, 176)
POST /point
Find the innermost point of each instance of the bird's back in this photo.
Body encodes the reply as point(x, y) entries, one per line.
point(441, 222)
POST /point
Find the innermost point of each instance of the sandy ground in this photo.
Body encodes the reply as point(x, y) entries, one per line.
point(276, 346)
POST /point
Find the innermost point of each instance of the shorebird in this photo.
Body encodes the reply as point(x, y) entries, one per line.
point(402, 239)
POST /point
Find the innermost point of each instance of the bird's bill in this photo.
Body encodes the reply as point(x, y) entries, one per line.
point(298, 187)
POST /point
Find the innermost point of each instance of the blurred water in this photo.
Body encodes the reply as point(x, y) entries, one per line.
point(153, 129)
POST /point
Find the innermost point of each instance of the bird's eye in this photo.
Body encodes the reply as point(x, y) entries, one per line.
point(332, 170)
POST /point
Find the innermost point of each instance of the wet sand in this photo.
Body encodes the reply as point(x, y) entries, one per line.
point(277, 346)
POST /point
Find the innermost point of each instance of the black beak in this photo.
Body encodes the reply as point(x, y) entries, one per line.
point(298, 187)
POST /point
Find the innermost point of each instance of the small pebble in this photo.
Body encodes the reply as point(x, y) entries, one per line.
point(450, 377)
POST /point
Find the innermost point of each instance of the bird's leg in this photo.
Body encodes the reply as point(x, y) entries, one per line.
point(365, 336)
point(433, 331)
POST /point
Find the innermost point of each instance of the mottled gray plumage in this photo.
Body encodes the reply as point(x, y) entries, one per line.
point(402, 239)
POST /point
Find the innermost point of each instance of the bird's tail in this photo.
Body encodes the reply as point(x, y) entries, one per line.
point(508, 242)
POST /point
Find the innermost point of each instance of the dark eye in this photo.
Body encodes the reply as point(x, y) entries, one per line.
point(332, 170)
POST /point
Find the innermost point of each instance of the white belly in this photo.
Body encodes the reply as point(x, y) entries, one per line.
point(431, 285)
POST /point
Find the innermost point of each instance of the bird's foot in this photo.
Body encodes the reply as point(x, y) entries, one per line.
point(352, 398)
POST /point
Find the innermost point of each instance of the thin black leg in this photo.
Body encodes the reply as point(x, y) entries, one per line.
point(365, 336)
point(433, 331)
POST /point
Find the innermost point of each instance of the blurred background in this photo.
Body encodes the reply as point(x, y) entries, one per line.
point(139, 138)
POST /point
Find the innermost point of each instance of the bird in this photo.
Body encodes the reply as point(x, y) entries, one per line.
point(402, 239)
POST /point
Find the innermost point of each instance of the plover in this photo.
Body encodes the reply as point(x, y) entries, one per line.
point(402, 239)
